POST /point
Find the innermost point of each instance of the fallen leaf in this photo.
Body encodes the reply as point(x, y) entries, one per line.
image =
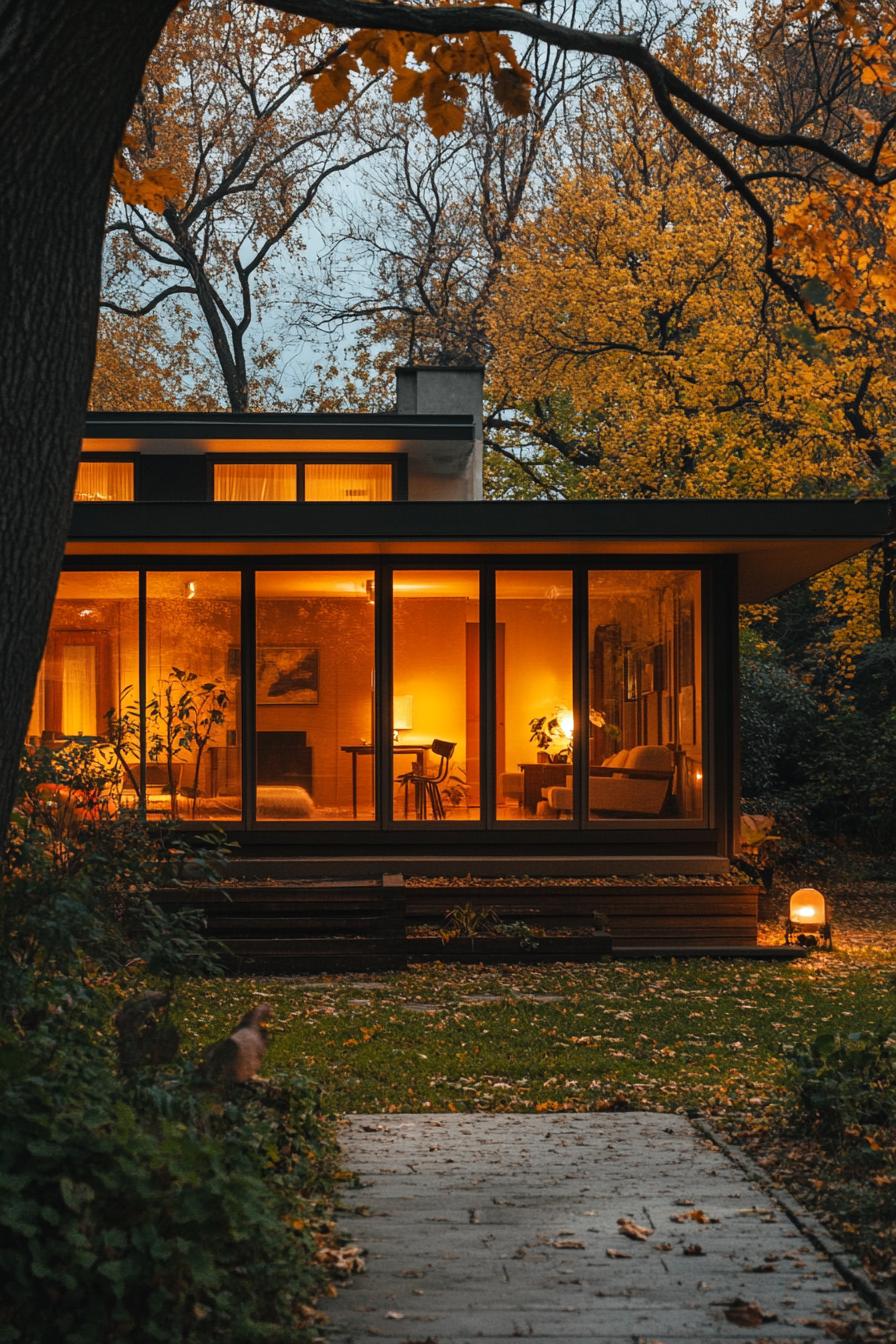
point(692, 1216)
point(693, 1249)
point(613, 1254)
point(394, 1315)
point(742, 1312)
point(629, 1228)
point(568, 1244)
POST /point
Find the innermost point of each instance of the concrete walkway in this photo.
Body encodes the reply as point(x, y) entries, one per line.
point(501, 1227)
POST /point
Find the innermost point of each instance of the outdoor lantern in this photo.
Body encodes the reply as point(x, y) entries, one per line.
point(807, 922)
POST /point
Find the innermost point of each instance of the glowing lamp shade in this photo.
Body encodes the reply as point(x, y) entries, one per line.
point(566, 723)
point(807, 906)
point(402, 712)
point(808, 923)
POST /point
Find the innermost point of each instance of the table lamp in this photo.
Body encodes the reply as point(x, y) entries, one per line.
point(402, 714)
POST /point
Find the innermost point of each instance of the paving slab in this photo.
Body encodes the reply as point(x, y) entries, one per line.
point(502, 1227)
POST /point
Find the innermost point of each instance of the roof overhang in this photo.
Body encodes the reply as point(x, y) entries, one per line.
point(776, 542)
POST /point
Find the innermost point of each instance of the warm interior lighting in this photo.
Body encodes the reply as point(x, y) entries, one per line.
point(265, 482)
point(402, 714)
point(566, 722)
point(104, 482)
point(190, 589)
point(808, 922)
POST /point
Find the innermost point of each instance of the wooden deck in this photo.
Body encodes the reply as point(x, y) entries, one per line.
point(322, 924)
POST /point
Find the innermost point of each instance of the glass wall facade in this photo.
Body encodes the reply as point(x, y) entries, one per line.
point(314, 696)
point(581, 707)
point(436, 700)
point(91, 666)
point(533, 690)
point(645, 707)
point(193, 702)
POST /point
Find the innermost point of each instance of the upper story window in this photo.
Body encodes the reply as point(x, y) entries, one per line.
point(267, 482)
point(334, 482)
point(104, 482)
point(348, 482)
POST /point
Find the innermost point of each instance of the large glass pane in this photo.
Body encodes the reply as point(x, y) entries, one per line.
point(348, 482)
point(533, 695)
point(314, 695)
point(646, 695)
point(193, 695)
point(87, 686)
point(436, 695)
point(90, 662)
point(266, 482)
point(103, 482)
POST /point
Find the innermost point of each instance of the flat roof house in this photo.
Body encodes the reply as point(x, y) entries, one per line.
point(397, 667)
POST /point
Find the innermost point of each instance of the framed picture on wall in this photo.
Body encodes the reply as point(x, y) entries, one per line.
point(288, 674)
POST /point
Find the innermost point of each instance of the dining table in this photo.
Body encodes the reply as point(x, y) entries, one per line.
point(418, 749)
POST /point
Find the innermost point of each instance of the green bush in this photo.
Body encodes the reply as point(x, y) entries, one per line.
point(846, 1080)
point(139, 1203)
point(778, 717)
point(153, 1211)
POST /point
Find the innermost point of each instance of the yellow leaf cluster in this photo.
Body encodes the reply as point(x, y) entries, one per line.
point(641, 315)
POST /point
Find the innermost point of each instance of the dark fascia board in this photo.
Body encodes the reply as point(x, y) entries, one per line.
point(673, 520)
point(218, 425)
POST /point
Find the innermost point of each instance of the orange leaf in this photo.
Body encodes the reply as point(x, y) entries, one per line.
point(445, 118)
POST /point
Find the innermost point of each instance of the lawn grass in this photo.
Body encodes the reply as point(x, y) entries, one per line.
point(669, 1035)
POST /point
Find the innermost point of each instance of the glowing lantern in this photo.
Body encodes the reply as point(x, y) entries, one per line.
point(807, 922)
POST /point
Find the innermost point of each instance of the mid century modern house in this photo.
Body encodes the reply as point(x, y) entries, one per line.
point(379, 639)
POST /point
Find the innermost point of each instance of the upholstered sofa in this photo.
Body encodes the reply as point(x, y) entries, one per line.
point(635, 782)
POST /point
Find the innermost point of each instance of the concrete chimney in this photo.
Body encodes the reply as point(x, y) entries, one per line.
point(440, 390)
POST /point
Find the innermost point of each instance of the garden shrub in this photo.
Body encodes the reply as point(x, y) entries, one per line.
point(153, 1211)
point(140, 1204)
point(778, 716)
point(843, 1081)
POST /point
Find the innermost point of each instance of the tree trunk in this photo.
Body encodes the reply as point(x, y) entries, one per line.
point(69, 73)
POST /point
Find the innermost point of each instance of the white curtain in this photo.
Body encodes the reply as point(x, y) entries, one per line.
point(79, 690)
point(242, 482)
point(104, 481)
point(352, 481)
